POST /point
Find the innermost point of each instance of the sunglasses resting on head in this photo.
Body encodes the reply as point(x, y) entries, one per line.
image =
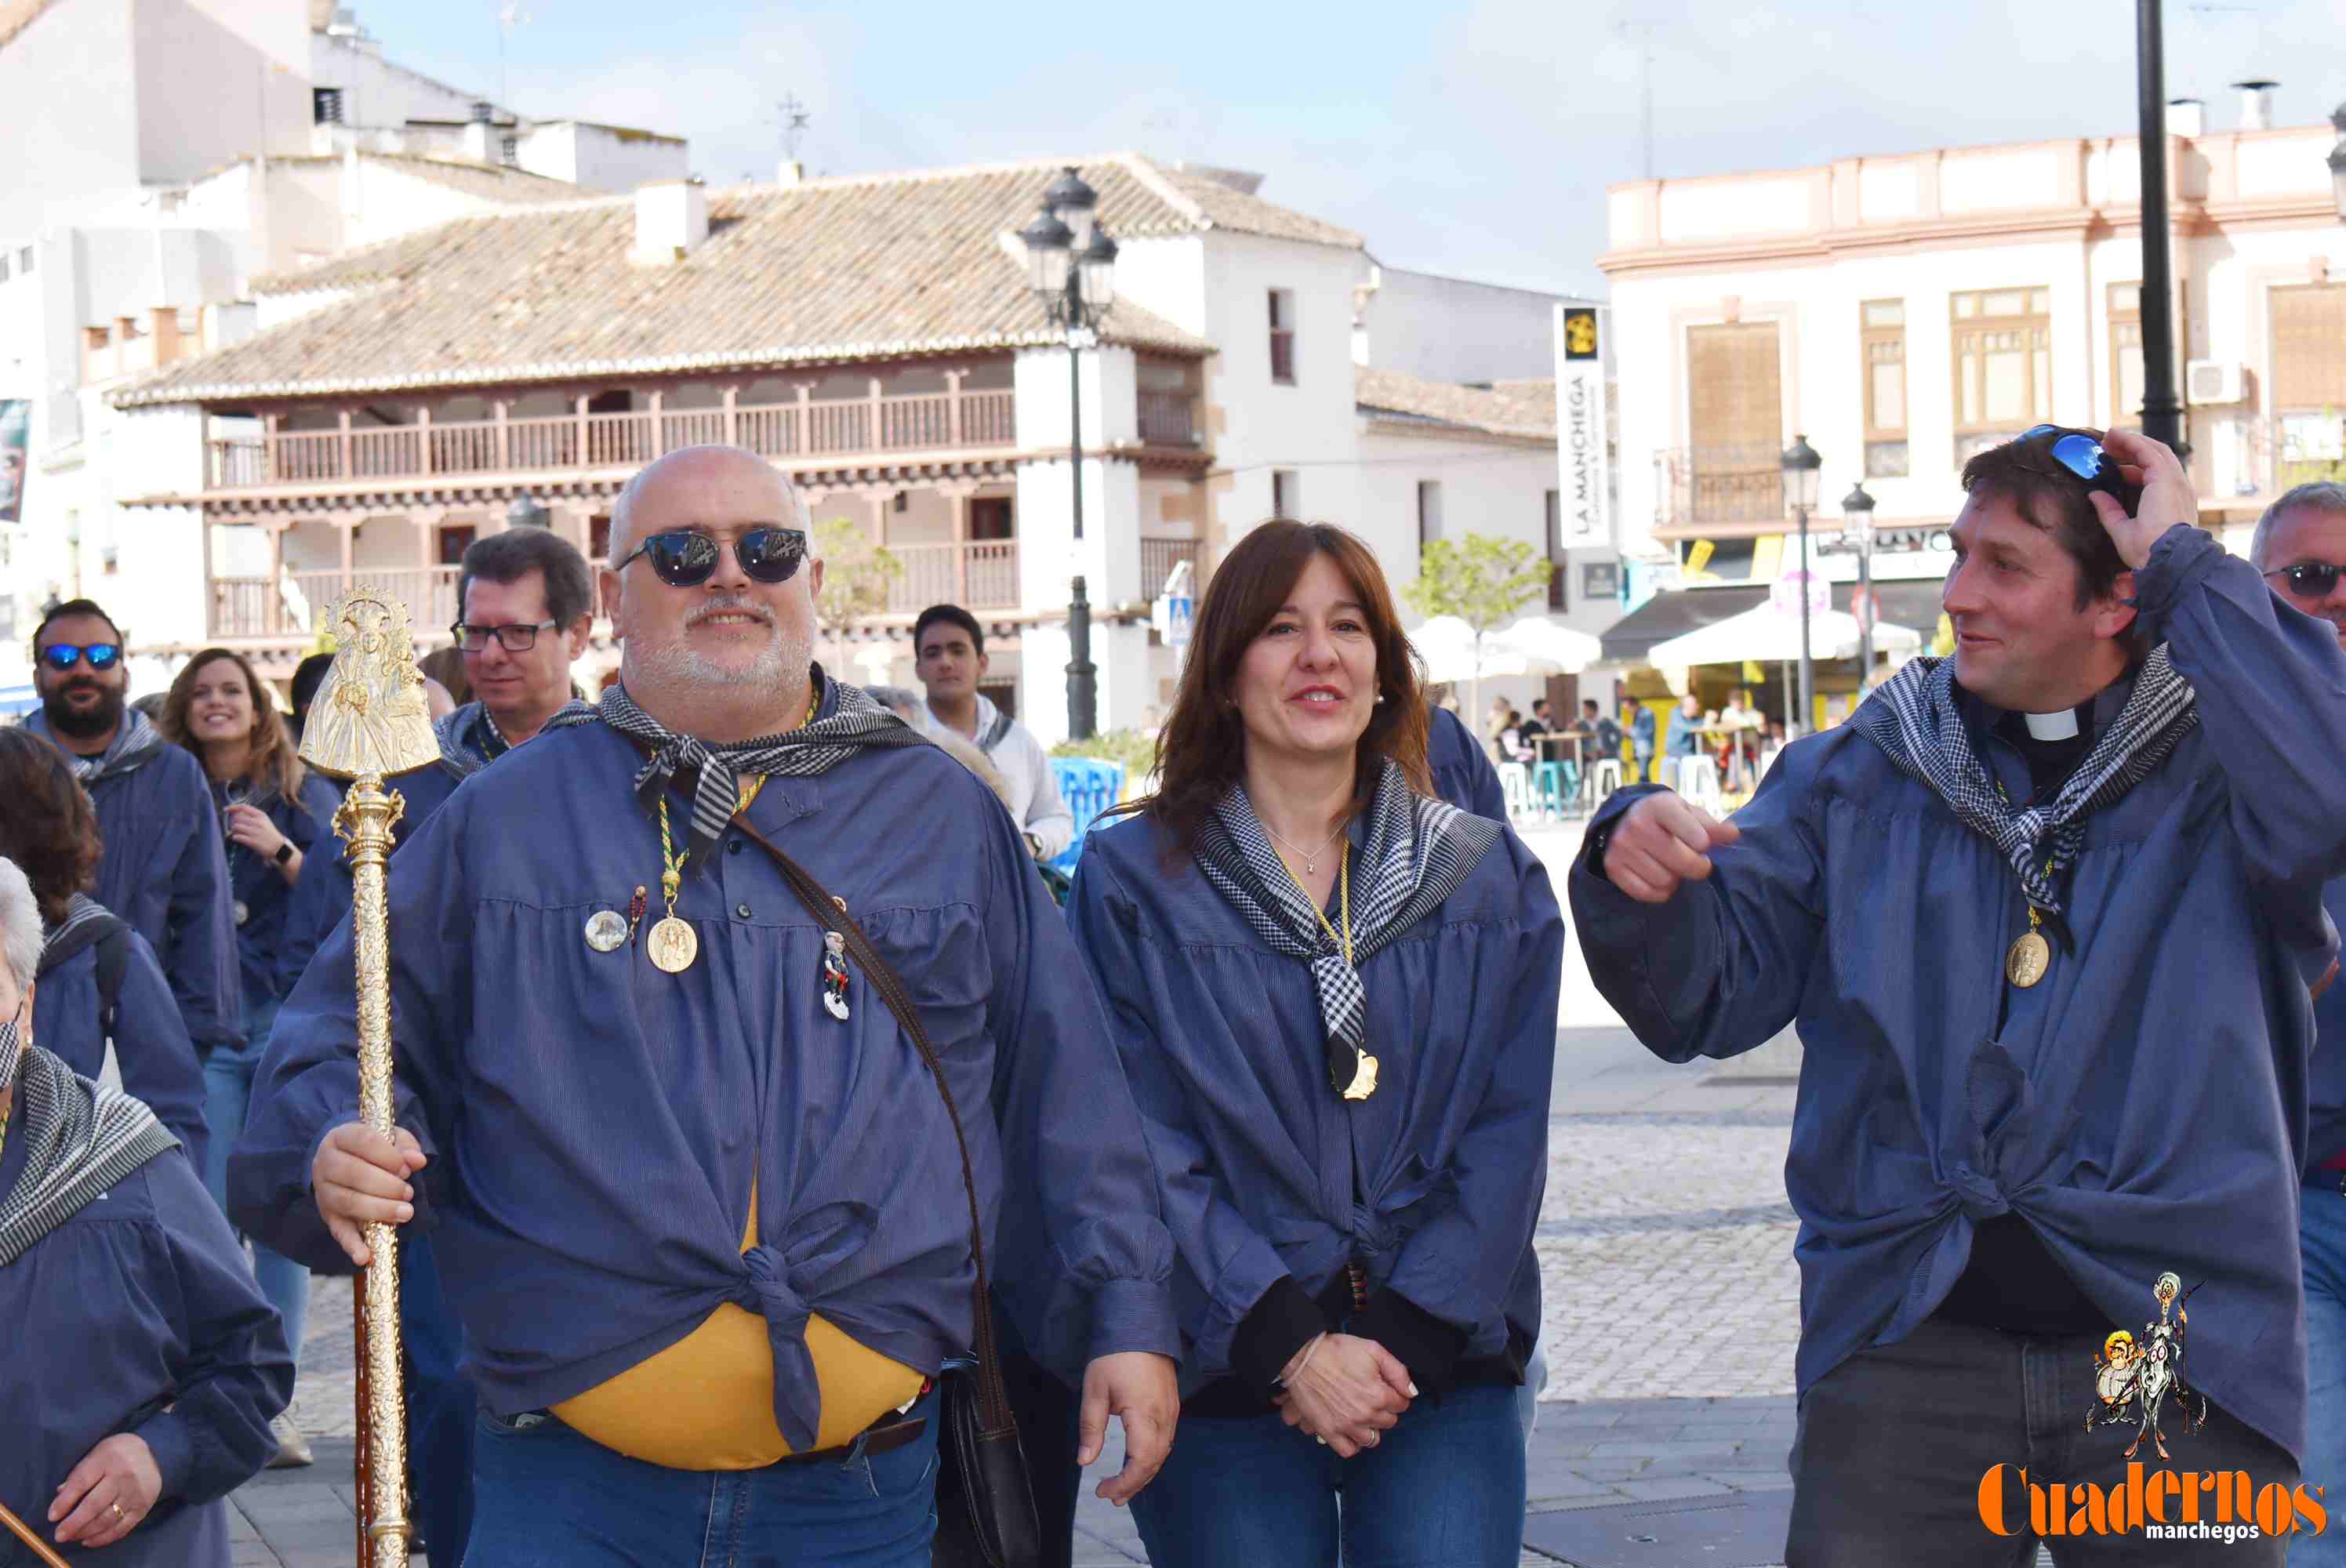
point(684, 559)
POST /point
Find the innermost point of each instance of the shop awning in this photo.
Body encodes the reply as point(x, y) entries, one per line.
point(1674, 614)
point(1904, 602)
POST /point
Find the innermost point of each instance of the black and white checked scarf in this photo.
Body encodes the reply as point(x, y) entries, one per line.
point(855, 722)
point(1914, 720)
point(470, 739)
point(1417, 853)
point(83, 1138)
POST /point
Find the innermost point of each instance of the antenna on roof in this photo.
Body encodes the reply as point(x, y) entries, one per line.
point(508, 18)
point(1646, 25)
point(794, 116)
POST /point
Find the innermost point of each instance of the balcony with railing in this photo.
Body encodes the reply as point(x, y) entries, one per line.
point(981, 575)
point(807, 429)
point(1167, 418)
point(1158, 558)
point(1696, 486)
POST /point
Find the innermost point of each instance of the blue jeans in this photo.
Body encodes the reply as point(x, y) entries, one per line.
point(1444, 1489)
point(2321, 1235)
point(441, 1408)
point(549, 1498)
point(228, 1089)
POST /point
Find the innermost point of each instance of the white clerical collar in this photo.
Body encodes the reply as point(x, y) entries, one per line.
point(2061, 724)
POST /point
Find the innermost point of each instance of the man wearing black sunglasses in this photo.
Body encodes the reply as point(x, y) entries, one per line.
point(2047, 916)
point(636, 1081)
point(2300, 545)
point(165, 865)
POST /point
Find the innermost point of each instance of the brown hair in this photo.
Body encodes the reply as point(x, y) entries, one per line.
point(446, 666)
point(1201, 751)
point(274, 768)
point(2052, 498)
point(50, 829)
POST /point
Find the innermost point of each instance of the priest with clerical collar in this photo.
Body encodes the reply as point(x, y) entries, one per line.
point(2048, 916)
point(693, 1194)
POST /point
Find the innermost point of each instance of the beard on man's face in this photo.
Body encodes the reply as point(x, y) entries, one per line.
point(79, 721)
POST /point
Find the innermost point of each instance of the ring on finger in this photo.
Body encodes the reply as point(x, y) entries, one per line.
point(116, 1509)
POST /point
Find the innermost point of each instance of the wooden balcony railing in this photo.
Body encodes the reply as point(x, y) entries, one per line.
point(290, 606)
point(981, 575)
point(919, 421)
point(1740, 484)
point(1166, 420)
point(1156, 559)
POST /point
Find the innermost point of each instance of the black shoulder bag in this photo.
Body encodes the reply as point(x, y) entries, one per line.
point(985, 1506)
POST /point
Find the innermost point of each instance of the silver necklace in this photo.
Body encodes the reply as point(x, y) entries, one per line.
point(1310, 857)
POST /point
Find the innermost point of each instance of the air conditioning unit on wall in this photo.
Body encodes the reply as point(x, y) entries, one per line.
point(2210, 383)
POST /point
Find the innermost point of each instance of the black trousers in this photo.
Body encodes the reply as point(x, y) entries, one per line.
point(1047, 1412)
point(1912, 1453)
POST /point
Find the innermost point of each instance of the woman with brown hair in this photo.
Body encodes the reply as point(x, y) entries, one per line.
point(1335, 998)
point(101, 988)
point(272, 809)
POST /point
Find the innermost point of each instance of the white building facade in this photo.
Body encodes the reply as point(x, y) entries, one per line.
point(1904, 311)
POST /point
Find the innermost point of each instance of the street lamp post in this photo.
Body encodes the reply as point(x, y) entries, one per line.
point(2338, 160)
point(1071, 267)
point(1802, 465)
point(1857, 533)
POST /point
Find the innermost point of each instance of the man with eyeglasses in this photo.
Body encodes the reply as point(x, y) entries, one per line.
point(164, 868)
point(2300, 545)
point(2048, 917)
point(691, 1190)
point(526, 602)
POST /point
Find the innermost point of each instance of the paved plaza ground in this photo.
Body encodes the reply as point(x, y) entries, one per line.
point(1671, 1306)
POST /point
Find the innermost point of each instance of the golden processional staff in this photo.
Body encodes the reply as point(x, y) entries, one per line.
point(370, 722)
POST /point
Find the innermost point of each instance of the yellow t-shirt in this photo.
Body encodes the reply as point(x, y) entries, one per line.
point(706, 1403)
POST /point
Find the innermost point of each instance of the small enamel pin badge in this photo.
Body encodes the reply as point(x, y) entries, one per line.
point(834, 975)
point(606, 929)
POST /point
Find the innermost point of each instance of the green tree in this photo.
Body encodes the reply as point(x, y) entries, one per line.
point(858, 572)
point(1483, 580)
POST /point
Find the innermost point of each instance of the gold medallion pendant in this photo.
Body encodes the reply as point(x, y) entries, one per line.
point(2027, 959)
point(1364, 1079)
point(673, 945)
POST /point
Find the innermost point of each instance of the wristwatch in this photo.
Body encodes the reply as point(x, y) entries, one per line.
point(284, 854)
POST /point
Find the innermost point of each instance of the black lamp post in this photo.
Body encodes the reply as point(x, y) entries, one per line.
point(2162, 411)
point(1802, 465)
point(2338, 160)
point(1857, 533)
point(1071, 267)
point(526, 511)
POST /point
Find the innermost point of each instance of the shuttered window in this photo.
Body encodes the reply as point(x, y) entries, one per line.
point(1881, 333)
point(2126, 355)
point(2309, 348)
point(1734, 424)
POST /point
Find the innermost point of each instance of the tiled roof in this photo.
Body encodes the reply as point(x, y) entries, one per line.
point(833, 270)
point(495, 182)
point(1506, 408)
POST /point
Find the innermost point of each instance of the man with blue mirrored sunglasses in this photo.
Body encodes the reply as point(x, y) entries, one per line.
point(165, 868)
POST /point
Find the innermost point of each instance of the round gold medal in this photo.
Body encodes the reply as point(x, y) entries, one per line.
point(2027, 959)
point(673, 945)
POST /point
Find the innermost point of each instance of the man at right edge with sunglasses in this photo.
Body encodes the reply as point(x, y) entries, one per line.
point(164, 868)
point(691, 1189)
point(2300, 545)
point(2047, 915)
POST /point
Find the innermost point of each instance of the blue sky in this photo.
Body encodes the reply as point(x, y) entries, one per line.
point(1472, 137)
